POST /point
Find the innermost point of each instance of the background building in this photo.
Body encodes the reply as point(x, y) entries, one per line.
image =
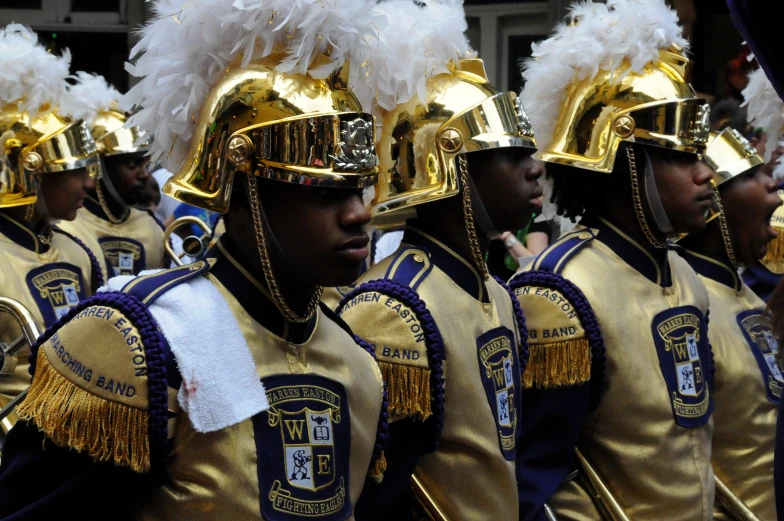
point(100, 33)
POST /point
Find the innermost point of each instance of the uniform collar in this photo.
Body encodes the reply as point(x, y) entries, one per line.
point(651, 262)
point(450, 262)
point(93, 206)
point(21, 234)
point(252, 295)
point(713, 268)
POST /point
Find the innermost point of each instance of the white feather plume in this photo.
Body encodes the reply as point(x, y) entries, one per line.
point(189, 44)
point(416, 43)
point(604, 35)
point(90, 95)
point(765, 108)
point(30, 77)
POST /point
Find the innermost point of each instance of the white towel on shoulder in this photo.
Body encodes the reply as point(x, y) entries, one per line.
point(220, 385)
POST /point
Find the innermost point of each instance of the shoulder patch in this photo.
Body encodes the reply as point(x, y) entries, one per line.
point(409, 267)
point(99, 383)
point(148, 288)
point(555, 257)
point(565, 343)
point(408, 347)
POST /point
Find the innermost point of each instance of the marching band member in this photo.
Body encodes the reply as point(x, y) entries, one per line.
point(748, 383)
point(131, 238)
point(221, 389)
point(620, 365)
point(47, 166)
point(449, 339)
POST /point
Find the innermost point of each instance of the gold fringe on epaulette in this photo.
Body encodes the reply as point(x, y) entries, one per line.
point(377, 470)
point(408, 390)
point(559, 364)
point(72, 417)
point(775, 251)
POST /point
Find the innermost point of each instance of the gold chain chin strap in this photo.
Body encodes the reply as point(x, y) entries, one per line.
point(29, 213)
point(725, 231)
point(102, 201)
point(646, 230)
point(479, 259)
point(269, 276)
point(46, 235)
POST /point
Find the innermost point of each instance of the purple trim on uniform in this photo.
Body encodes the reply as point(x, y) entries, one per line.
point(522, 349)
point(433, 341)
point(382, 431)
point(153, 342)
point(584, 312)
point(97, 274)
point(710, 348)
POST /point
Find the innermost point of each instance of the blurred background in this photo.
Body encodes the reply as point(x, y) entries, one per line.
point(100, 33)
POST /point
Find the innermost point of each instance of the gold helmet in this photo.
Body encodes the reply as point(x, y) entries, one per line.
point(729, 155)
point(617, 73)
point(289, 127)
point(35, 138)
point(419, 142)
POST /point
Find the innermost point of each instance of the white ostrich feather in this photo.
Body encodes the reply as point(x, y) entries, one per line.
point(89, 96)
point(765, 108)
point(604, 35)
point(189, 44)
point(30, 77)
point(416, 43)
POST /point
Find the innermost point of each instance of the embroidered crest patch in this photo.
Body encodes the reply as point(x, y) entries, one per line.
point(56, 288)
point(500, 372)
point(303, 442)
point(126, 256)
point(764, 347)
point(681, 341)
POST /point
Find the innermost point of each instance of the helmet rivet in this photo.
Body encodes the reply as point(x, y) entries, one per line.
point(32, 161)
point(239, 148)
point(624, 126)
point(451, 140)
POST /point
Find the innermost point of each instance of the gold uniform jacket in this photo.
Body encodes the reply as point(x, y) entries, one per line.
point(48, 279)
point(305, 457)
point(748, 387)
point(620, 367)
point(132, 246)
point(447, 343)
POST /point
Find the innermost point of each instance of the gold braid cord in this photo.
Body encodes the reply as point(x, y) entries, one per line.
point(105, 208)
point(29, 213)
point(725, 231)
point(479, 259)
point(646, 230)
point(269, 276)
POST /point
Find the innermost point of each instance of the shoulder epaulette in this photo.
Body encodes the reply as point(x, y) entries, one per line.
point(409, 267)
point(555, 257)
point(407, 343)
point(148, 288)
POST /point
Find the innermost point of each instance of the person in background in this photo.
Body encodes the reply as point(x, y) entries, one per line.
point(131, 239)
point(48, 164)
point(748, 383)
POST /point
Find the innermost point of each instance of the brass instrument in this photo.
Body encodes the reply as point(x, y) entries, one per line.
point(191, 245)
point(424, 506)
point(606, 504)
point(30, 332)
point(735, 508)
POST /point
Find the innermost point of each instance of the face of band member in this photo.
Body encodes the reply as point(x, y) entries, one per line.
point(319, 230)
point(684, 186)
point(749, 202)
point(129, 176)
point(65, 192)
point(507, 182)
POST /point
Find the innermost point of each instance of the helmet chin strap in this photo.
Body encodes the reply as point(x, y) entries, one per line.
point(660, 219)
point(481, 217)
point(42, 208)
point(106, 179)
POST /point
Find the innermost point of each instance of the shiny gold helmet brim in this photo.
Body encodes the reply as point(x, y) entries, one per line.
point(656, 107)
point(113, 137)
point(287, 127)
point(45, 145)
point(419, 142)
point(729, 155)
